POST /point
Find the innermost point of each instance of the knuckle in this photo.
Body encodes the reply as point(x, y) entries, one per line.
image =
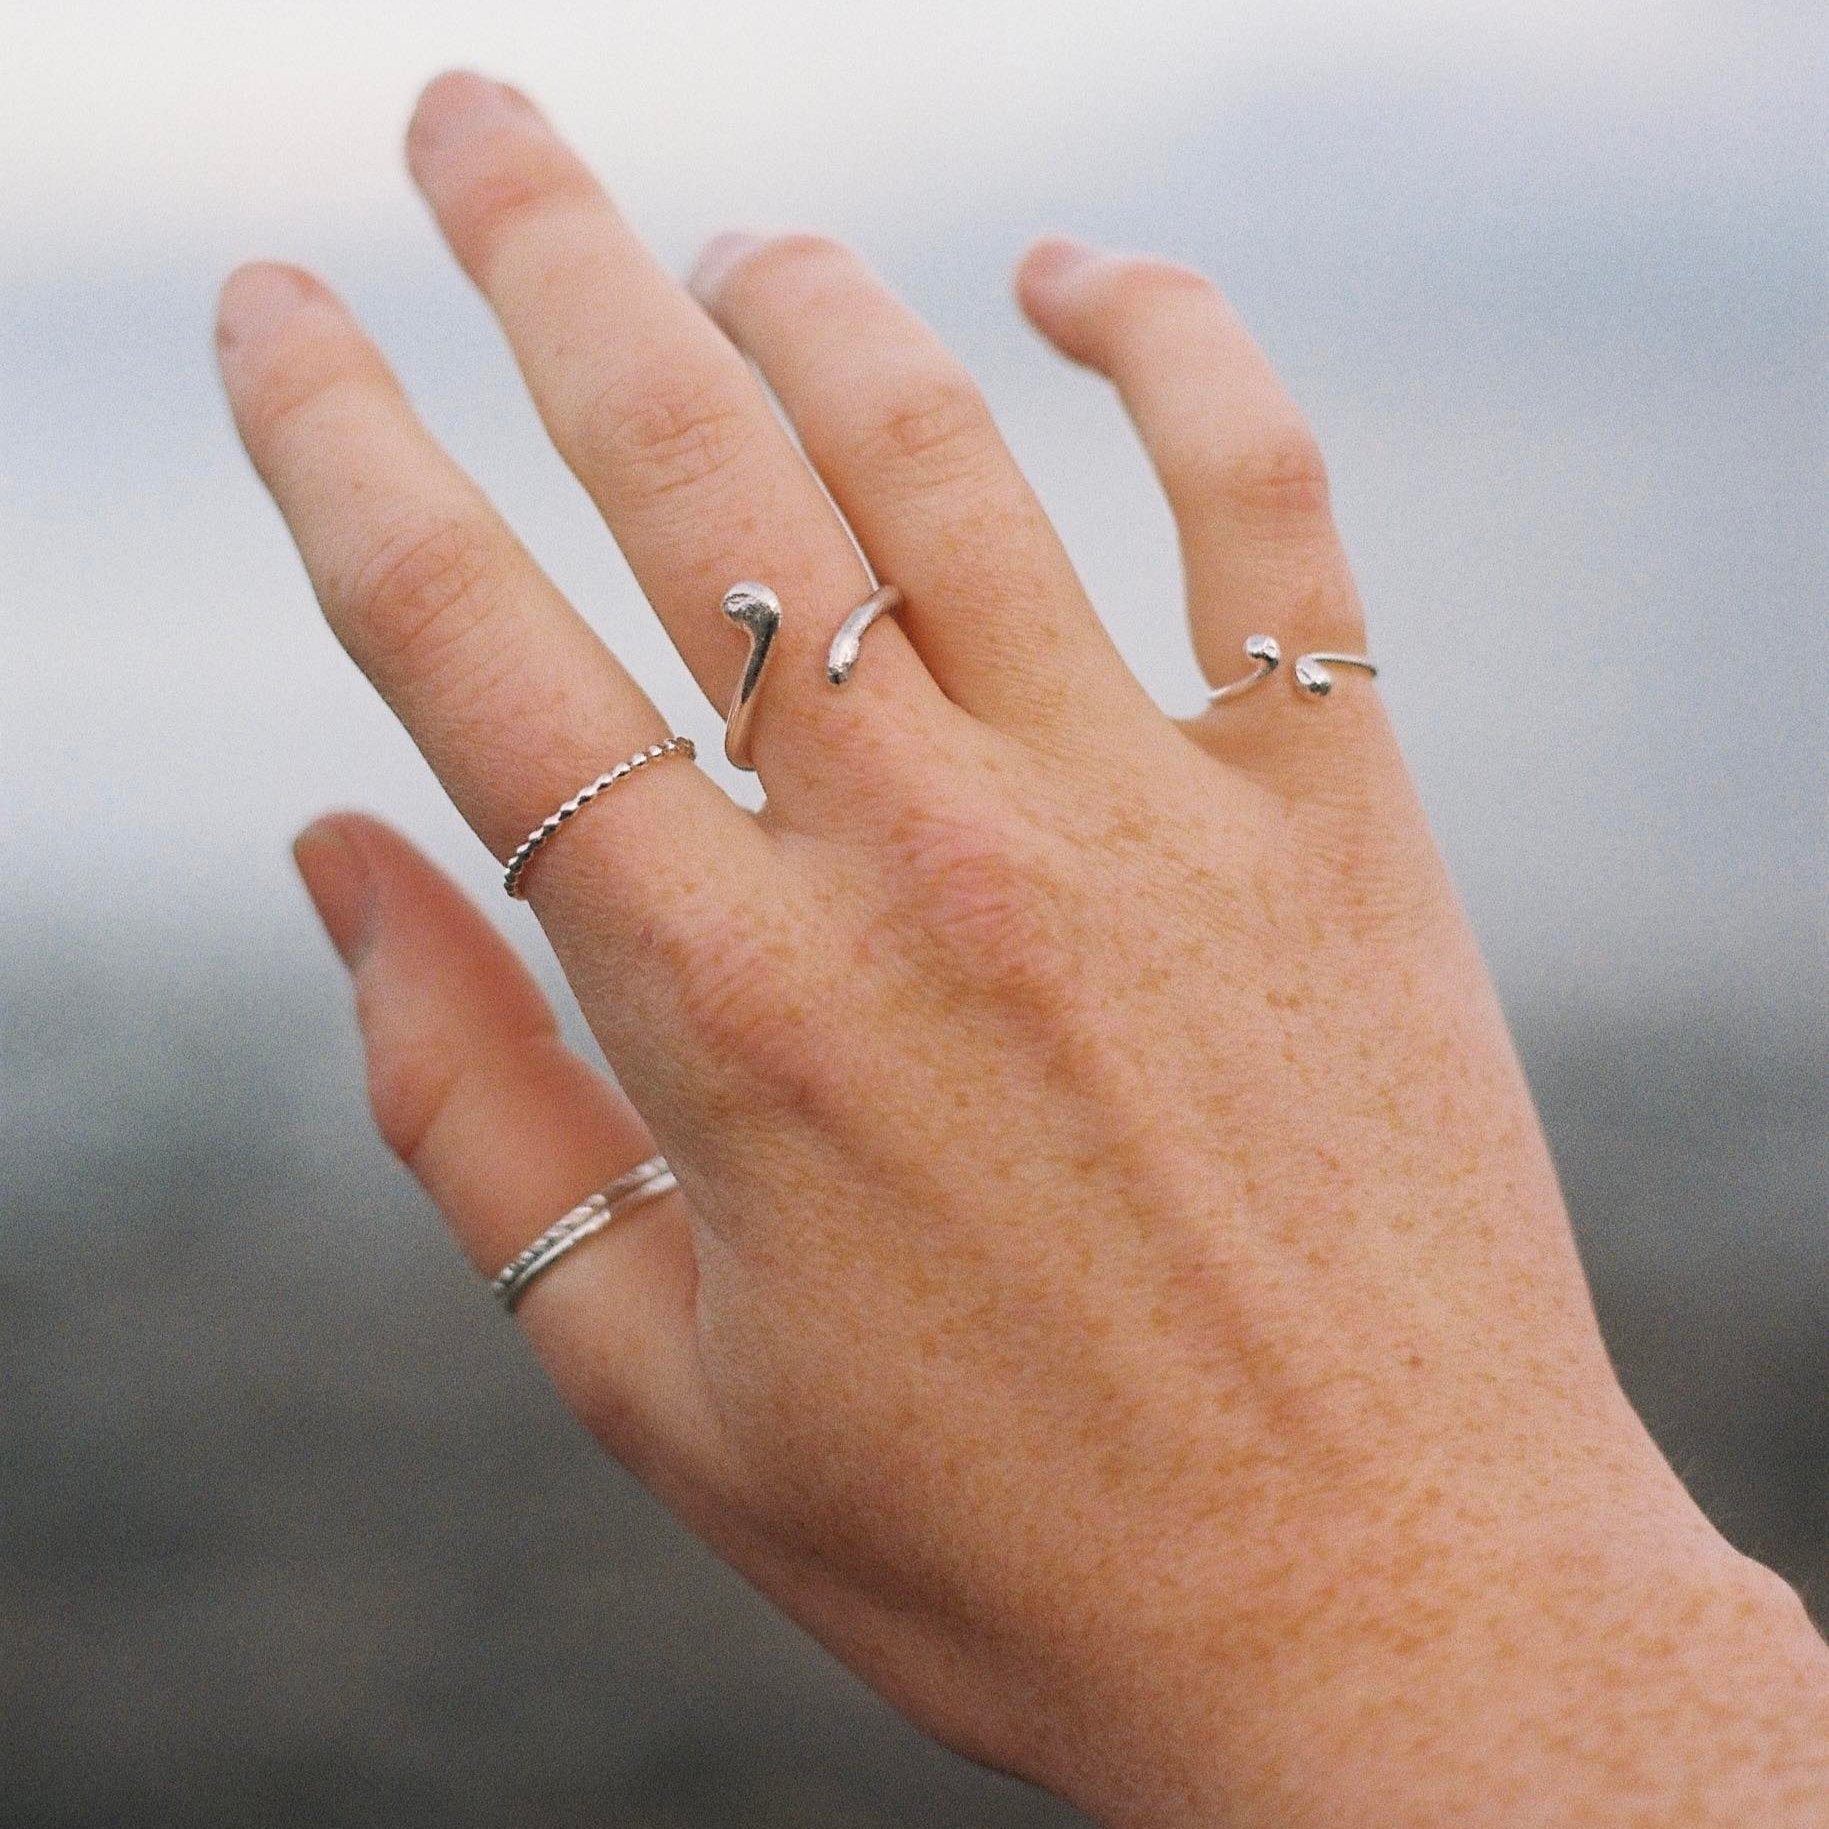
point(422, 590)
point(1326, 601)
point(424, 1090)
point(665, 437)
point(408, 1089)
point(987, 899)
point(1150, 302)
point(784, 254)
point(933, 420)
point(752, 999)
point(304, 372)
point(508, 185)
point(1142, 284)
point(736, 991)
point(1279, 473)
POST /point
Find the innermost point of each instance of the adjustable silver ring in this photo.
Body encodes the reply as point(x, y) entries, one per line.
point(646, 1181)
point(756, 610)
point(516, 867)
point(1313, 672)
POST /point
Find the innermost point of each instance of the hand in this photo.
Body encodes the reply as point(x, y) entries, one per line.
point(1120, 1299)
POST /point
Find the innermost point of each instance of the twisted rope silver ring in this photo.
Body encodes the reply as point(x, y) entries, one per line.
point(1313, 672)
point(655, 752)
point(644, 1182)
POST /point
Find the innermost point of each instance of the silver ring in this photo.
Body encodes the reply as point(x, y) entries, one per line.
point(841, 657)
point(756, 610)
point(1313, 672)
point(646, 1181)
point(516, 867)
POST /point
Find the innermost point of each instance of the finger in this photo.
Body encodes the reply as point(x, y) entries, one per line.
point(905, 441)
point(1241, 469)
point(662, 422)
point(513, 699)
point(506, 1129)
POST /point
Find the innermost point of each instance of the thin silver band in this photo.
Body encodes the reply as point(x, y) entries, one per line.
point(655, 752)
point(1313, 672)
point(841, 657)
point(646, 1181)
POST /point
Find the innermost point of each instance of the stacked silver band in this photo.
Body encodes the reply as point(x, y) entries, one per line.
point(655, 752)
point(646, 1181)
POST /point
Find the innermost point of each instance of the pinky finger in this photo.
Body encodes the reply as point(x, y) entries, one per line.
point(506, 1128)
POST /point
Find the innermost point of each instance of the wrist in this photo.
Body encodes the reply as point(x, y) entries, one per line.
point(1595, 1678)
point(1599, 1662)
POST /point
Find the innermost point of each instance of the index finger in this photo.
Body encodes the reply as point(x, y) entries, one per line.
point(509, 694)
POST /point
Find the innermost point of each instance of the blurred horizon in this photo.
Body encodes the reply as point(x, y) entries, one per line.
point(1562, 358)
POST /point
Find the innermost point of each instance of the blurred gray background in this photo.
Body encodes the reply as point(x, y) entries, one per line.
point(290, 1529)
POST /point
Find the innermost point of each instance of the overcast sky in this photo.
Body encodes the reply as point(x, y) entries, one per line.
point(125, 125)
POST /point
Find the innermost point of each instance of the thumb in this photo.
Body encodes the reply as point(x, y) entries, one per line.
point(506, 1129)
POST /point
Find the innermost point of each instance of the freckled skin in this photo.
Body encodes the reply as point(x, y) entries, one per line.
point(1121, 1300)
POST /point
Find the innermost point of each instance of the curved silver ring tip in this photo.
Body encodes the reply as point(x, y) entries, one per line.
point(847, 644)
point(756, 610)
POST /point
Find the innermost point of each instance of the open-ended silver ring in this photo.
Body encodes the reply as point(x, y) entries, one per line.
point(644, 1182)
point(756, 610)
point(1313, 672)
point(516, 867)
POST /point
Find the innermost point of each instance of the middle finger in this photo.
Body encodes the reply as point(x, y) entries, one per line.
point(662, 422)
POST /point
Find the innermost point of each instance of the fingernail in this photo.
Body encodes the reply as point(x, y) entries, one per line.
point(717, 260)
point(341, 887)
point(257, 299)
point(461, 103)
point(1057, 262)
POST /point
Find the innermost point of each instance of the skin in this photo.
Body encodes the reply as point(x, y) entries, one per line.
point(1119, 1299)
